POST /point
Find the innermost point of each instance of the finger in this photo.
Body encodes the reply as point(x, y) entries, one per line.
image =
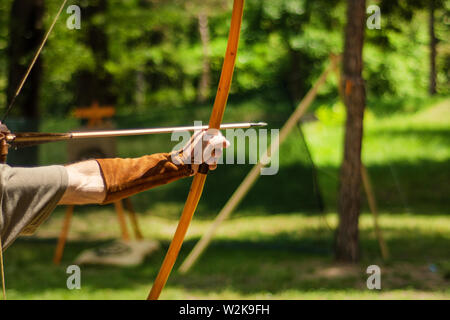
point(213, 132)
point(214, 149)
point(196, 137)
point(217, 153)
point(175, 156)
point(210, 153)
point(196, 148)
point(218, 143)
point(214, 159)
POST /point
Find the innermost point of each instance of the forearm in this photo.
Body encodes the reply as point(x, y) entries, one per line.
point(126, 177)
point(86, 185)
point(108, 180)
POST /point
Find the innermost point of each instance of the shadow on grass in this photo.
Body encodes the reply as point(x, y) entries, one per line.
point(419, 187)
point(270, 194)
point(269, 264)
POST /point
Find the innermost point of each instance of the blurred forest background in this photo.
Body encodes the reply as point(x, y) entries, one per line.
point(158, 62)
point(154, 54)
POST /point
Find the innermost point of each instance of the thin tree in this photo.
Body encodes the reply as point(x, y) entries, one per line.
point(95, 84)
point(347, 235)
point(205, 81)
point(433, 43)
point(203, 10)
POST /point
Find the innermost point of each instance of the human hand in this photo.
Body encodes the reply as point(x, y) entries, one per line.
point(203, 147)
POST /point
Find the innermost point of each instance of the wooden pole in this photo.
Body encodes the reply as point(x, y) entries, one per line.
point(63, 235)
point(133, 218)
point(373, 207)
point(253, 175)
point(2, 270)
point(59, 251)
point(3, 156)
point(122, 221)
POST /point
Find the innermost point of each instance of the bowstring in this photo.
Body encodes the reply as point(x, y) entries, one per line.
point(2, 269)
point(11, 104)
point(33, 62)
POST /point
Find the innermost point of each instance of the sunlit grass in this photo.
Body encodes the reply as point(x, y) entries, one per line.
point(271, 253)
point(286, 256)
point(400, 137)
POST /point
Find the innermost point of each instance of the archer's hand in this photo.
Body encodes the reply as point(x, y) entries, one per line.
point(203, 147)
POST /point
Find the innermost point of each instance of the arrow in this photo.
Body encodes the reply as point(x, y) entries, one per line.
point(25, 139)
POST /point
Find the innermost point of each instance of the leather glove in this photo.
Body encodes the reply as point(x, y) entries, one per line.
point(126, 177)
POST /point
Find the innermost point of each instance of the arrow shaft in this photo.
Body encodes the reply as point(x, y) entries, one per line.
point(137, 132)
point(27, 139)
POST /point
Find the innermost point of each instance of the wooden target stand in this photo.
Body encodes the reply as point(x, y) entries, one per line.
point(96, 148)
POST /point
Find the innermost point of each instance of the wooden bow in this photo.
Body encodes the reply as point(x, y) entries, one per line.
point(215, 120)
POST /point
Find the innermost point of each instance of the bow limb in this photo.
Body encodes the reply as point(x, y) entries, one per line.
point(198, 182)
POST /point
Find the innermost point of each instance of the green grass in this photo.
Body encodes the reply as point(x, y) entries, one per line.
point(276, 246)
point(407, 156)
point(285, 256)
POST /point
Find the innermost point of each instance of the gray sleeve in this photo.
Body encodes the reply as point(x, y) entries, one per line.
point(27, 197)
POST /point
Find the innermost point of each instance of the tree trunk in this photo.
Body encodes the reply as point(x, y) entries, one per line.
point(347, 237)
point(296, 74)
point(26, 33)
point(95, 85)
point(433, 43)
point(203, 89)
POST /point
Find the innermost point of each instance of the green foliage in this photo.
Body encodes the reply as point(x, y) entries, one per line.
point(331, 116)
point(406, 154)
point(154, 50)
point(398, 69)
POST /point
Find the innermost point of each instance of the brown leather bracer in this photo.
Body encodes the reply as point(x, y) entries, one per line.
point(126, 177)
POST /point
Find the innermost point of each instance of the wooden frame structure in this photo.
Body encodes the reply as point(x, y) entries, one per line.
point(121, 217)
point(95, 115)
